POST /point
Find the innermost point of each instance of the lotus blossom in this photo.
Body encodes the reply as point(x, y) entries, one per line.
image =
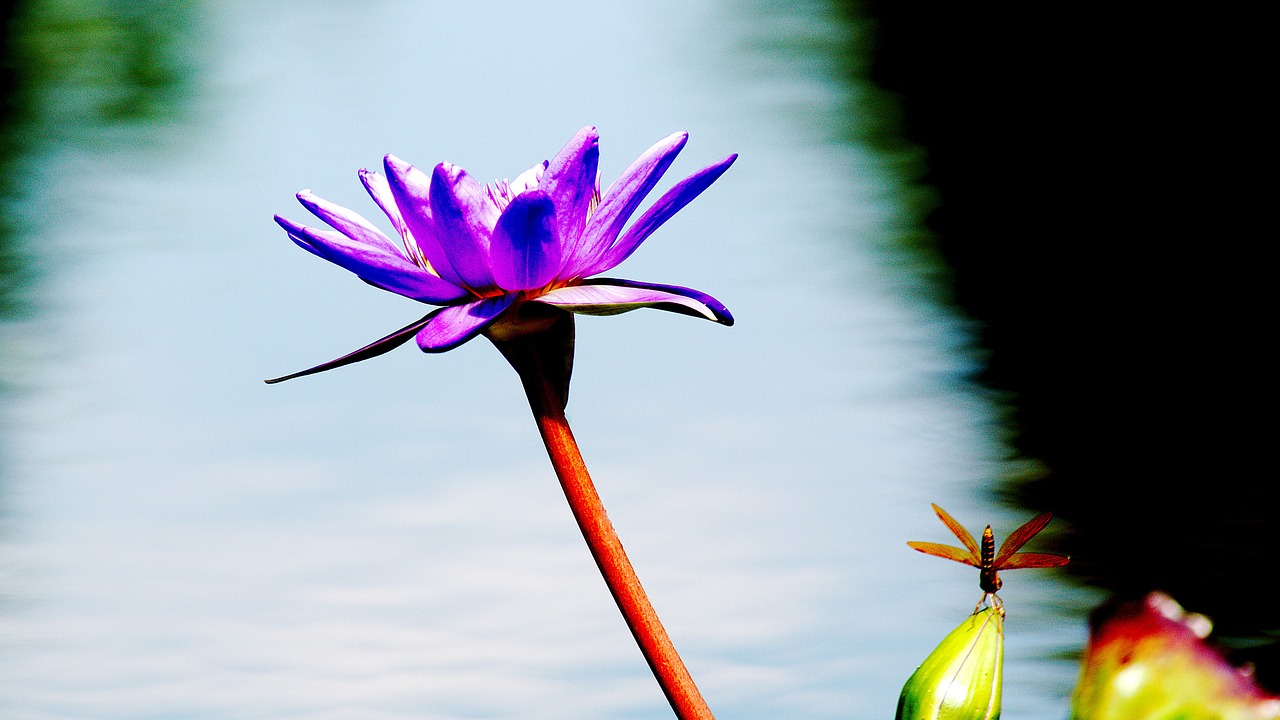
point(482, 251)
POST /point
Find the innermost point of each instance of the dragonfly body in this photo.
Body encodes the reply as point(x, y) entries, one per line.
point(985, 557)
point(988, 578)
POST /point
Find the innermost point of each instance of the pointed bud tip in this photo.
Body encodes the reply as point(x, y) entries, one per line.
point(962, 678)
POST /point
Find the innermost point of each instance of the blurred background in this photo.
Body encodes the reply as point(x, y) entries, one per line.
point(998, 259)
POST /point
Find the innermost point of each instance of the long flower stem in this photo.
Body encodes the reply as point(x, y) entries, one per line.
point(612, 560)
point(538, 342)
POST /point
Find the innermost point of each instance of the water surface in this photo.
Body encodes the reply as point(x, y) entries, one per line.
point(388, 540)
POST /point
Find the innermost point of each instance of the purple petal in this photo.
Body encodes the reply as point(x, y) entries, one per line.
point(669, 204)
point(387, 269)
point(524, 250)
point(463, 215)
point(623, 197)
point(570, 180)
point(455, 325)
point(373, 349)
point(348, 222)
point(608, 296)
point(380, 190)
point(528, 179)
point(411, 190)
point(301, 241)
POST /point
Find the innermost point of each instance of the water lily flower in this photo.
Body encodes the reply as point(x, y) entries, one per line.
point(480, 252)
point(515, 261)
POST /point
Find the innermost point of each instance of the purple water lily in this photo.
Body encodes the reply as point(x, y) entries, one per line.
point(481, 251)
point(515, 261)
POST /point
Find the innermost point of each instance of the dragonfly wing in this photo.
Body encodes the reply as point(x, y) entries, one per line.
point(1019, 537)
point(958, 530)
point(947, 551)
point(1034, 560)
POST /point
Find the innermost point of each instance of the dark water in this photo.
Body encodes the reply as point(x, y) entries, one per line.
point(1082, 164)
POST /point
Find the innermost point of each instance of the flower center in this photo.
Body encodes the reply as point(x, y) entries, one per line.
point(503, 191)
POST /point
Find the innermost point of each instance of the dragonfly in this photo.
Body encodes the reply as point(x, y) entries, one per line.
point(984, 556)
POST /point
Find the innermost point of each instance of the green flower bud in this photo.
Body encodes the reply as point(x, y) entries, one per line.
point(961, 678)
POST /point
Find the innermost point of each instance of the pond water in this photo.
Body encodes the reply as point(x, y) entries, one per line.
point(387, 540)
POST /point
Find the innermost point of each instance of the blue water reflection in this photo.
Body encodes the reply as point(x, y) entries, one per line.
point(387, 540)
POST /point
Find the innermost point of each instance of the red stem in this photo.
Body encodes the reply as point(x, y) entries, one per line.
point(607, 550)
